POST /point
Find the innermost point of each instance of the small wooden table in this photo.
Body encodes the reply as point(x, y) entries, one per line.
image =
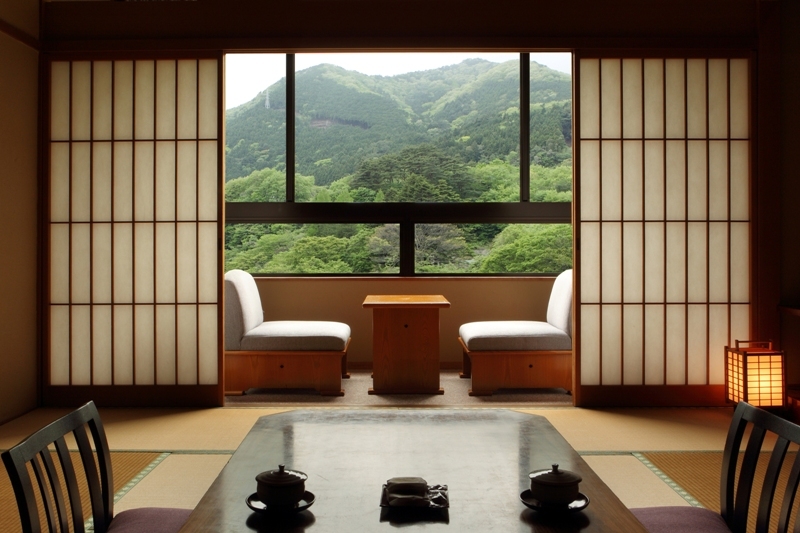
point(405, 343)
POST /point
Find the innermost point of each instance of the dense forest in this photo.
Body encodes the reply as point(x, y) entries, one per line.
point(444, 135)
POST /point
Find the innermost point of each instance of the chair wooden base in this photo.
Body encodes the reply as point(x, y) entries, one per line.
point(493, 370)
point(320, 370)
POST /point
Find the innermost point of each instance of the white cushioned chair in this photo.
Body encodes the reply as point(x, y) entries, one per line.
point(513, 354)
point(282, 353)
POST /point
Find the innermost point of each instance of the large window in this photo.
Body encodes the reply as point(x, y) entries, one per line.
point(406, 164)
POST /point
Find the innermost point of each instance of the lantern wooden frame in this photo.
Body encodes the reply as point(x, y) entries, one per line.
point(755, 373)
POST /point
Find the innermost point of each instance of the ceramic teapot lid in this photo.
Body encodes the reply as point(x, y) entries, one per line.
point(281, 477)
point(555, 477)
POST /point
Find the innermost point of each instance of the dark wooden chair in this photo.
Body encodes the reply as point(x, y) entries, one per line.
point(53, 492)
point(736, 494)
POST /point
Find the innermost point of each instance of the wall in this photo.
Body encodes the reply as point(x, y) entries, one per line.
point(18, 208)
point(340, 300)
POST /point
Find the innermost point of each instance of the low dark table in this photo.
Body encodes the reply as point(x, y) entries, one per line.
point(483, 456)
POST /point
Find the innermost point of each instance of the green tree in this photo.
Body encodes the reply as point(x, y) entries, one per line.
point(541, 249)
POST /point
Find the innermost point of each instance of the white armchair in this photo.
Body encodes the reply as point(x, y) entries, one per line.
point(515, 354)
point(282, 353)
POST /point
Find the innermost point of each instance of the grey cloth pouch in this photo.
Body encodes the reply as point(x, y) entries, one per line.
point(407, 492)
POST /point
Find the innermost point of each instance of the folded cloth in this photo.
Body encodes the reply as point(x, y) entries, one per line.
point(407, 486)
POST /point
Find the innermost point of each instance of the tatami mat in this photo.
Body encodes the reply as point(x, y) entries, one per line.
point(633, 482)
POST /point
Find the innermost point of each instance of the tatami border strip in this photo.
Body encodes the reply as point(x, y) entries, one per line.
point(666, 479)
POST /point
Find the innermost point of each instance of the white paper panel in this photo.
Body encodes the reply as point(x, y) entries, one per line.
point(101, 263)
point(676, 262)
point(590, 345)
point(144, 99)
point(165, 263)
point(740, 323)
point(144, 261)
point(123, 181)
point(633, 262)
point(740, 262)
point(698, 180)
point(101, 182)
point(207, 269)
point(740, 180)
point(654, 262)
point(654, 98)
point(697, 345)
point(144, 347)
point(696, 98)
point(165, 99)
point(717, 98)
point(59, 345)
point(59, 263)
point(81, 100)
point(187, 180)
point(123, 263)
point(123, 100)
point(633, 344)
point(611, 180)
point(208, 344)
point(676, 98)
point(632, 180)
point(81, 182)
point(718, 180)
point(611, 348)
point(654, 180)
point(59, 182)
point(633, 110)
point(187, 262)
point(187, 99)
point(81, 257)
point(676, 180)
point(717, 340)
point(739, 98)
point(590, 262)
point(590, 180)
point(143, 181)
point(654, 345)
point(101, 345)
point(165, 180)
point(208, 181)
point(611, 274)
point(59, 100)
point(81, 327)
point(590, 98)
point(166, 373)
point(676, 345)
point(187, 345)
point(718, 262)
point(101, 101)
point(697, 265)
point(207, 98)
point(123, 345)
point(611, 99)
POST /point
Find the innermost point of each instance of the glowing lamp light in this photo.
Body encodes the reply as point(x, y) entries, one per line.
point(754, 373)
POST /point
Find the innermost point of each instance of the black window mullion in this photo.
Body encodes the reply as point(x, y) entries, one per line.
point(290, 117)
point(407, 264)
point(524, 127)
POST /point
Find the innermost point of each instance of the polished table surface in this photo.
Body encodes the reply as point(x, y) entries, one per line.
point(482, 455)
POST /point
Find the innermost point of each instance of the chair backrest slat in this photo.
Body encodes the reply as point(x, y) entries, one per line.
point(56, 490)
point(47, 501)
point(789, 496)
point(770, 484)
point(744, 486)
point(71, 481)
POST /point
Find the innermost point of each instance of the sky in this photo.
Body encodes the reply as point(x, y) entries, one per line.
point(246, 75)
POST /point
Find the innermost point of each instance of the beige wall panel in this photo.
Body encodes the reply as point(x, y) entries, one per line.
point(165, 333)
point(654, 242)
point(207, 181)
point(740, 262)
point(166, 80)
point(632, 180)
point(633, 110)
point(102, 182)
point(676, 344)
point(718, 260)
point(590, 180)
point(590, 262)
point(187, 99)
point(23, 14)
point(81, 264)
point(697, 180)
point(186, 181)
point(611, 274)
point(611, 180)
point(123, 345)
point(633, 262)
point(590, 345)
point(718, 180)
point(611, 345)
point(676, 180)
point(718, 338)
point(143, 256)
point(697, 327)
point(610, 98)
point(123, 100)
point(143, 177)
point(81, 182)
point(101, 264)
point(123, 263)
point(717, 98)
point(144, 344)
point(696, 98)
point(675, 98)
point(740, 180)
point(59, 345)
point(208, 318)
point(207, 98)
point(653, 98)
point(654, 180)
point(123, 182)
point(59, 263)
point(165, 181)
point(633, 344)
point(101, 100)
point(59, 100)
point(186, 265)
point(739, 98)
point(81, 101)
point(590, 98)
point(207, 275)
point(101, 345)
point(697, 262)
point(59, 182)
point(144, 100)
point(676, 262)
point(165, 263)
point(81, 345)
point(187, 344)
point(740, 323)
point(654, 345)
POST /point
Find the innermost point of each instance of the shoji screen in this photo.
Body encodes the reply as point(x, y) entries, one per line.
point(134, 227)
point(662, 211)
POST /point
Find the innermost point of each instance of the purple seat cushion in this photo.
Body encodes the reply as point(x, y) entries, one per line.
point(149, 520)
point(680, 520)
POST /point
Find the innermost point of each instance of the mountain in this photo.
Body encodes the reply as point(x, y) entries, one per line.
point(469, 110)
